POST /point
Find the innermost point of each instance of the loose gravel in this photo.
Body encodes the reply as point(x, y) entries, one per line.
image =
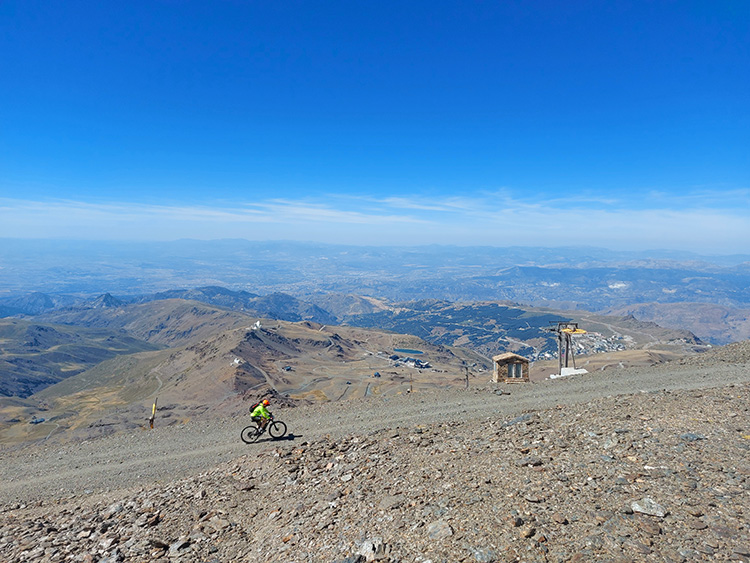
point(646, 464)
point(53, 469)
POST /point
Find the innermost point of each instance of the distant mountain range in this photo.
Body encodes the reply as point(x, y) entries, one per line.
point(674, 289)
point(487, 327)
point(591, 278)
point(44, 348)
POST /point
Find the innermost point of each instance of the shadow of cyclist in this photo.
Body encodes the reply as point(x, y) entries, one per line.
point(290, 437)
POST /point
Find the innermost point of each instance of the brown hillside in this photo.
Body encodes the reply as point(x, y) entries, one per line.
point(298, 362)
point(170, 322)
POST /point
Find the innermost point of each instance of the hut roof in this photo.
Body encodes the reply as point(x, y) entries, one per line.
point(509, 356)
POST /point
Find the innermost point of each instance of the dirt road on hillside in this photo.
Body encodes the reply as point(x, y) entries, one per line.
point(51, 470)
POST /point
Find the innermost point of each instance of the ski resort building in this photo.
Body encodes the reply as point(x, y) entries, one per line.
point(510, 368)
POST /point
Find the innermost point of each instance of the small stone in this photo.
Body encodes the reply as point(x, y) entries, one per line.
point(697, 524)
point(243, 485)
point(559, 518)
point(391, 501)
point(438, 530)
point(610, 443)
point(374, 550)
point(523, 418)
point(724, 532)
point(529, 461)
point(687, 553)
point(649, 527)
point(175, 547)
point(528, 532)
point(648, 506)
point(219, 524)
point(115, 557)
point(637, 547)
point(483, 555)
point(112, 510)
point(691, 437)
point(159, 544)
point(107, 543)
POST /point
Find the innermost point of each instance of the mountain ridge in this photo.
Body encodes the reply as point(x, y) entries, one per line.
point(563, 278)
point(486, 328)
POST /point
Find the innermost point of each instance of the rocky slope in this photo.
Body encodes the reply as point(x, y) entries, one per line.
point(632, 465)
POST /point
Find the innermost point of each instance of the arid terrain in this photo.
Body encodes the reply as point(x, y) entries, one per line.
point(636, 464)
point(217, 365)
point(194, 357)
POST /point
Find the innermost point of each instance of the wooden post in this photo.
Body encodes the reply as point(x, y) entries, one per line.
point(153, 414)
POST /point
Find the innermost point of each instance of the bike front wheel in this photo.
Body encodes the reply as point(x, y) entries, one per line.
point(277, 429)
point(250, 433)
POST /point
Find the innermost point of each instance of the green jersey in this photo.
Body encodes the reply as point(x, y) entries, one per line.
point(261, 411)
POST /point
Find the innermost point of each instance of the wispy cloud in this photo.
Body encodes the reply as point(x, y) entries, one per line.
point(702, 197)
point(499, 219)
point(287, 210)
point(449, 205)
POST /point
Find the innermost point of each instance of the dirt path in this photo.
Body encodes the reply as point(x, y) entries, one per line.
point(48, 470)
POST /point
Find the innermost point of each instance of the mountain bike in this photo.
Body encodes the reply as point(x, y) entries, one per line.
point(276, 429)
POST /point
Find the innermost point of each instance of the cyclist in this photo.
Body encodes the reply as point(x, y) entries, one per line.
point(261, 415)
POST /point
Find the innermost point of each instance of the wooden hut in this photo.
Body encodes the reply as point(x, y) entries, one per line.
point(510, 368)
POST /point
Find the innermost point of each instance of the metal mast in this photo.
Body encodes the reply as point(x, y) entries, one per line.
point(565, 332)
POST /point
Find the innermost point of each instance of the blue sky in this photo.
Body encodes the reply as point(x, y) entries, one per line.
point(620, 124)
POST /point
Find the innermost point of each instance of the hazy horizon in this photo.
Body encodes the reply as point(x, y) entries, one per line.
point(563, 249)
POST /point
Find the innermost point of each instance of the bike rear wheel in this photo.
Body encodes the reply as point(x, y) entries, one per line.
point(250, 434)
point(277, 429)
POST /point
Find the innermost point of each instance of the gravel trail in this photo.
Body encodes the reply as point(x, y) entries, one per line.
point(49, 469)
